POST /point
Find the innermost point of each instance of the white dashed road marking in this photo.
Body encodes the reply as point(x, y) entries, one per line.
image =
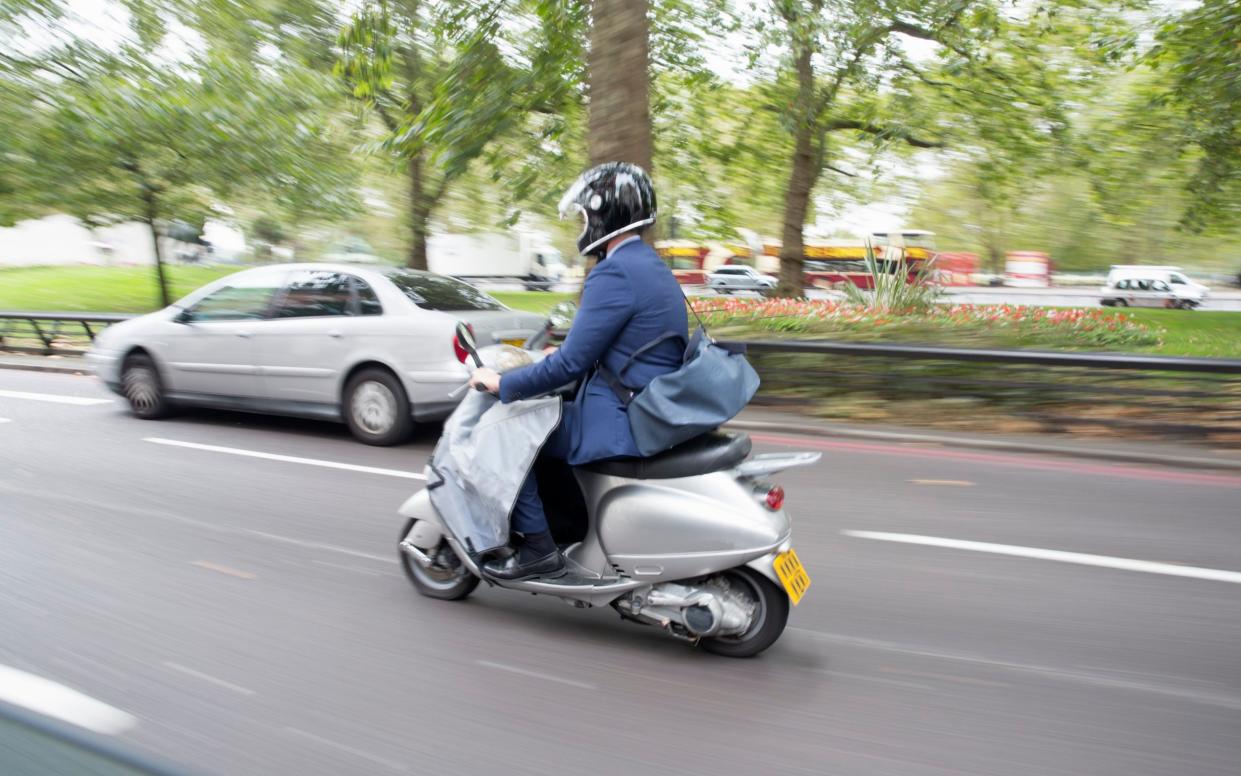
point(53, 398)
point(535, 674)
point(209, 679)
point(59, 702)
point(288, 458)
point(393, 764)
point(1060, 556)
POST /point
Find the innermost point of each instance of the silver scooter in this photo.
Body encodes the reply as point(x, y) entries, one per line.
point(694, 540)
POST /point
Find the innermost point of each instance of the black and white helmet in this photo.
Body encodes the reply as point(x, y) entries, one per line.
point(613, 198)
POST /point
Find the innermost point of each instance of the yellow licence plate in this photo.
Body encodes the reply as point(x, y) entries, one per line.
point(792, 575)
point(514, 342)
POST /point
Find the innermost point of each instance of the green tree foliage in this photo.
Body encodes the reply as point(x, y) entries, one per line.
point(1200, 53)
point(448, 80)
point(121, 133)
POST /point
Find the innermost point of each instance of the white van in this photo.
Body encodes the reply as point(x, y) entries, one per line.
point(1173, 276)
point(1134, 285)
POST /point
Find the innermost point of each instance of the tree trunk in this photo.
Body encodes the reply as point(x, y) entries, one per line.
point(419, 215)
point(802, 178)
point(152, 213)
point(618, 63)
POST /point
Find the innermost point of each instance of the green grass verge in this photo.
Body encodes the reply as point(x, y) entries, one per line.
point(97, 289)
point(133, 289)
point(1213, 334)
point(532, 301)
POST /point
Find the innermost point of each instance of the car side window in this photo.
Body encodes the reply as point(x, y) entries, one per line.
point(247, 298)
point(1177, 280)
point(368, 302)
point(1159, 285)
point(1122, 285)
point(1144, 285)
point(315, 294)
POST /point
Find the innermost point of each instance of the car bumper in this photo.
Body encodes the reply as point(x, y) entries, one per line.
point(106, 364)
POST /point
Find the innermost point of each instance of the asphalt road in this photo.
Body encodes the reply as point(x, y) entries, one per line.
point(250, 613)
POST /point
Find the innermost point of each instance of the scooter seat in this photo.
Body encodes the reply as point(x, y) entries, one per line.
point(710, 452)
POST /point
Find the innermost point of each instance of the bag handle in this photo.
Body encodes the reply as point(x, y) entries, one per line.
point(690, 305)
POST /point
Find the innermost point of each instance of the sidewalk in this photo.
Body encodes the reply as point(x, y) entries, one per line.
point(73, 365)
point(759, 420)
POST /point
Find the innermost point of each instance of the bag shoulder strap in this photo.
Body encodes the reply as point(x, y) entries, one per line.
point(661, 339)
point(622, 391)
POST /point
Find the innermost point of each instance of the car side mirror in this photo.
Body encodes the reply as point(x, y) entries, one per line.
point(185, 316)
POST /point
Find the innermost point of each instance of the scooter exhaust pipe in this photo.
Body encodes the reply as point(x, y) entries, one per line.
point(420, 557)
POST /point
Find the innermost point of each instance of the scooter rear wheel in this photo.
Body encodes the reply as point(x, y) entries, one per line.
point(769, 619)
point(452, 583)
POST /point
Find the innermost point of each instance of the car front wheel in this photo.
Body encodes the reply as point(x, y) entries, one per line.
point(142, 388)
point(376, 408)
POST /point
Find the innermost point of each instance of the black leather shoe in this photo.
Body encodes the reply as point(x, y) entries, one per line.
point(550, 566)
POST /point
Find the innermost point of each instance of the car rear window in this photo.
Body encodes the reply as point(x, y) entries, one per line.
point(436, 292)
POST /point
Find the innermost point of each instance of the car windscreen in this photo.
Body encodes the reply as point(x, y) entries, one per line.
point(436, 292)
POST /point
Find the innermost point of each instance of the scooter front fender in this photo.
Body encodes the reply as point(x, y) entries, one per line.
point(428, 528)
point(419, 507)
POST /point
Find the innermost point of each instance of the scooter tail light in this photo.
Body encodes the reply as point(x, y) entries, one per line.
point(774, 498)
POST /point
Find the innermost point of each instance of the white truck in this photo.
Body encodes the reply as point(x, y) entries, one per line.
point(526, 257)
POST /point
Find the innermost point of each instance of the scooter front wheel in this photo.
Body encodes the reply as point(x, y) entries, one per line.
point(770, 616)
point(448, 579)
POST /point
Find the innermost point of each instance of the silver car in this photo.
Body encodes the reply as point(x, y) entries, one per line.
point(726, 280)
point(374, 347)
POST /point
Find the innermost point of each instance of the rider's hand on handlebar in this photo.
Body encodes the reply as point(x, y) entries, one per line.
point(485, 379)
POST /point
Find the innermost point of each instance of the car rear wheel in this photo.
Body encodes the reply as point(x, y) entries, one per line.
point(376, 408)
point(1121, 303)
point(142, 388)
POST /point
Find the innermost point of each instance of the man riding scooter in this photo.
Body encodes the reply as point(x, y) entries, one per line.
point(632, 319)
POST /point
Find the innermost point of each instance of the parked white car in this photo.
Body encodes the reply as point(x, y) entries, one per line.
point(374, 347)
point(1147, 291)
point(738, 277)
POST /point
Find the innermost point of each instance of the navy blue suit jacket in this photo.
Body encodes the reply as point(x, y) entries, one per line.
point(630, 298)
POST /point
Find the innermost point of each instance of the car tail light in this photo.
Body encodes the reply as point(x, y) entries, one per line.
point(774, 499)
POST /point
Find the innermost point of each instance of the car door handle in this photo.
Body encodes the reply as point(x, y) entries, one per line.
point(245, 334)
point(335, 334)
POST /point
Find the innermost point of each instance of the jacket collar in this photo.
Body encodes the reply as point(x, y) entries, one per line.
point(622, 244)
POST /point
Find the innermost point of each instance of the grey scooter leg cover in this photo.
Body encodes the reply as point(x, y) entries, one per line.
point(482, 459)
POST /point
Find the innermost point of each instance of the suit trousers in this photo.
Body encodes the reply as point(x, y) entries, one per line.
point(528, 515)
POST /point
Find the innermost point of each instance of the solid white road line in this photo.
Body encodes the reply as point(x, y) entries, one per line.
point(1060, 556)
point(53, 398)
point(59, 702)
point(535, 674)
point(289, 459)
point(209, 679)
